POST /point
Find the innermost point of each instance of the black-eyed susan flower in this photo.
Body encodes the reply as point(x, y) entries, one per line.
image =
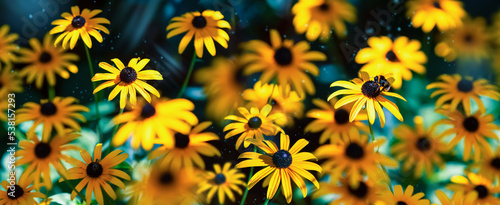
point(475, 183)
point(150, 123)
point(367, 192)
point(334, 122)
point(489, 165)
point(458, 198)
point(206, 27)
point(187, 149)
point(398, 58)
point(223, 82)
point(58, 113)
point(98, 173)
point(400, 197)
point(39, 155)
point(45, 61)
point(473, 128)
point(9, 82)
point(7, 46)
point(471, 41)
point(367, 93)
point(458, 89)
point(445, 14)
point(128, 80)
point(355, 157)
point(76, 25)
point(283, 60)
point(21, 192)
point(283, 164)
point(287, 102)
point(317, 17)
point(222, 182)
point(420, 149)
point(254, 124)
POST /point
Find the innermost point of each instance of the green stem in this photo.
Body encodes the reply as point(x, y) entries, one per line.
point(249, 177)
point(273, 82)
point(266, 201)
point(96, 97)
point(52, 92)
point(184, 85)
point(372, 133)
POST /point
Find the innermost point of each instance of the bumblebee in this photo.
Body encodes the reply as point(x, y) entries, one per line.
point(384, 84)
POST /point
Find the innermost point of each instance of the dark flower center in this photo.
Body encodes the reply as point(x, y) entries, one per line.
point(354, 151)
point(437, 5)
point(282, 159)
point(148, 110)
point(391, 56)
point(18, 192)
point(471, 124)
point(423, 144)
point(220, 179)
point(166, 178)
point(128, 75)
point(181, 141)
point(42, 150)
point(45, 57)
point(495, 163)
point(199, 22)
point(359, 192)
point(341, 116)
point(465, 85)
point(283, 56)
point(254, 122)
point(78, 22)
point(48, 109)
point(469, 38)
point(94, 169)
point(482, 191)
point(324, 7)
point(401, 203)
point(370, 89)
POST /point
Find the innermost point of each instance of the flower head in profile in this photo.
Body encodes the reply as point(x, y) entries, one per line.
point(222, 182)
point(404, 197)
point(21, 193)
point(46, 61)
point(316, 18)
point(484, 188)
point(367, 192)
point(205, 27)
point(368, 93)
point(282, 164)
point(127, 80)
point(445, 14)
point(76, 25)
point(7, 46)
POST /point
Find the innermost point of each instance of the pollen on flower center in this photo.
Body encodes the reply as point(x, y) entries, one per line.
point(482, 191)
point(471, 124)
point(78, 22)
point(45, 57)
point(401, 203)
point(495, 162)
point(128, 75)
point(220, 179)
point(166, 178)
point(282, 159)
point(423, 144)
point(147, 111)
point(324, 7)
point(359, 192)
point(465, 85)
point(370, 89)
point(254, 122)
point(94, 170)
point(283, 56)
point(48, 109)
point(199, 22)
point(18, 192)
point(354, 151)
point(181, 141)
point(42, 150)
point(391, 56)
point(341, 116)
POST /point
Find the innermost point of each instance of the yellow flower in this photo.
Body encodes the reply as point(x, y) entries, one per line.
point(46, 60)
point(97, 173)
point(471, 41)
point(489, 165)
point(205, 27)
point(22, 191)
point(460, 90)
point(9, 82)
point(476, 183)
point(254, 124)
point(288, 102)
point(333, 122)
point(445, 14)
point(404, 197)
point(7, 46)
point(187, 149)
point(58, 113)
point(366, 193)
point(283, 60)
point(281, 164)
point(223, 182)
point(4, 104)
point(400, 57)
point(317, 17)
point(154, 123)
point(78, 25)
point(420, 149)
point(458, 198)
point(128, 80)
point(355, 157)
point(369, 93)
point(39, 155)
